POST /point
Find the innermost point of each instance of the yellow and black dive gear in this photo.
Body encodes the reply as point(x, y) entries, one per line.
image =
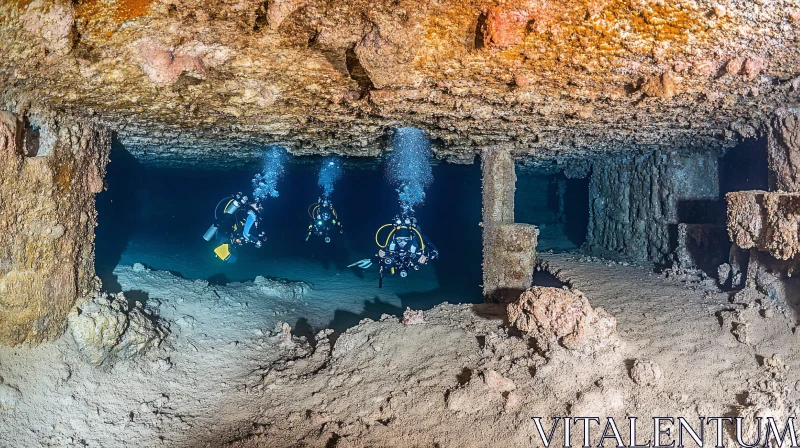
point(236, 222)
point(223, 251)
point(324, 219)
point(403, 249)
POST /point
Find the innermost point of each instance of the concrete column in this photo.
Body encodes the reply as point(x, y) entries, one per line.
point(50, 169)
point(509, 258)
point(499, 185)
point(509, 249)
point(783, 152)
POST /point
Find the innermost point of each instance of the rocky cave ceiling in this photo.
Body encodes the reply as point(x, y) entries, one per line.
point(550, 79)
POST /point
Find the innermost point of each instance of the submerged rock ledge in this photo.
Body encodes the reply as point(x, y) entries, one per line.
point(216, 80)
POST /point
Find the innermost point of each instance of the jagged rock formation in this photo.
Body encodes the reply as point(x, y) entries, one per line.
point(554, 316)
point(765, 220)
point(106, 329)
point(549, 79)
point(51, 166)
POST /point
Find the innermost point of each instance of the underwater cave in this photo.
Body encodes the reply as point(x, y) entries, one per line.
point(159, 224)
point(400, 224)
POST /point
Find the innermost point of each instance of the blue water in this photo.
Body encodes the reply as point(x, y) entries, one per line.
point(157, 216)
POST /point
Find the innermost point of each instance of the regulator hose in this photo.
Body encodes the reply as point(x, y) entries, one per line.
point(220, 202)
point(421, 241)
point(379, 231)
point(311, 212)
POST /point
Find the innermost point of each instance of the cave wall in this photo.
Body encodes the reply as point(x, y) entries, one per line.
point(783, 151)
point(763, 225)
point(636, 202)
point(51, 167)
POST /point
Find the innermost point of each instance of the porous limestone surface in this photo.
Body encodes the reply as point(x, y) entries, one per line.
point(215, 80)
point(234, 374)
point(553, 316)
point(767, 221)
point(107, 329)
point(51, 167)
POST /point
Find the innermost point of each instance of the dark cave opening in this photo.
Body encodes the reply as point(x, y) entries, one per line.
point(156, 215)
point(744, 167)
point(558, 206)
point(576, 209)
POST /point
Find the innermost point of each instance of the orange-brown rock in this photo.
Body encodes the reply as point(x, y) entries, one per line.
point(218, 79)
point(661, 86)
point(505, 28)
point(767, 221)
point(561, 316)
point(51, 166)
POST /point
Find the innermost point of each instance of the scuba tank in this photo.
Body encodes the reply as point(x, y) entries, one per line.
point(234, 205)
point(210, 232)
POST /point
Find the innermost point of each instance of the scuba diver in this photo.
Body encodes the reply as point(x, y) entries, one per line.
point(323, 219)
point(405, 248)
point(236, 224)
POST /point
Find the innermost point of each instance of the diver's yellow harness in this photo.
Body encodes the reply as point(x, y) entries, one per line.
point(396, 227)
point(311, 212)
point(388, 238)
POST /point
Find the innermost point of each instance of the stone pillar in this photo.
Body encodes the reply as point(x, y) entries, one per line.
point(508, 249)
point(50, 169)
point(561, 196)
point(783, 152)
point(499, 185)
point(509, 258)
point(763, 224)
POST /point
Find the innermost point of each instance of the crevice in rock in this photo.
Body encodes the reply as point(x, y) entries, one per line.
point(185, 80)
point(357, 71)
point(261, 17)
point(31, 145)
point(480, 30)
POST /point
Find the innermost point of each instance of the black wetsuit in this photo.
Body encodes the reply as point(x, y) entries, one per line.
point(404, 251)
point(324, 221)
point(232, 227)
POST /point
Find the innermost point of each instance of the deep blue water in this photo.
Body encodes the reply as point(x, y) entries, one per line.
point(157, 216)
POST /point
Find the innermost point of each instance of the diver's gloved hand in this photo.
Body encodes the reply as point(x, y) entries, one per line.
point(364, 264)
point(434, 254)
point(422, 259)
point(382, 253)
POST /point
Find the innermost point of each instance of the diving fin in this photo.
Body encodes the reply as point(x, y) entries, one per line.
point(365, 263)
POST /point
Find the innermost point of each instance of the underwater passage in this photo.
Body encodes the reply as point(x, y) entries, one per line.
point(160, 223)
point(238, 220)
point(375, 235)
